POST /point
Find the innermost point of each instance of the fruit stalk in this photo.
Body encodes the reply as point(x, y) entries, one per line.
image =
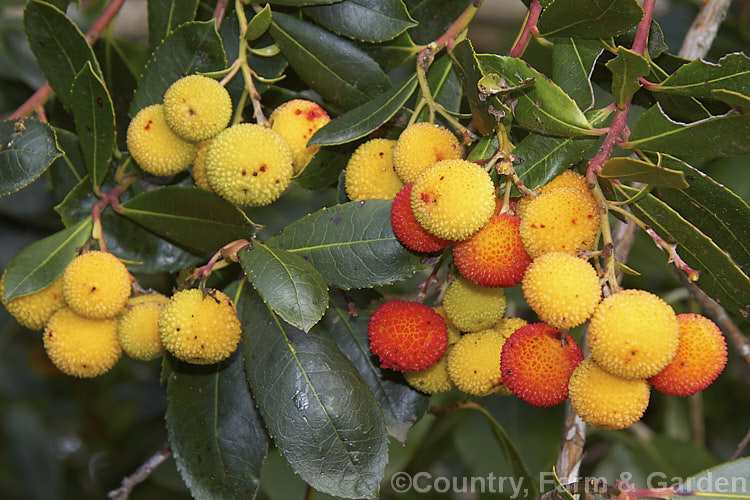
point(247, 73)
point(529, 28)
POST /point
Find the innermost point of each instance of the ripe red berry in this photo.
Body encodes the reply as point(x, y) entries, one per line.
point(408, 231)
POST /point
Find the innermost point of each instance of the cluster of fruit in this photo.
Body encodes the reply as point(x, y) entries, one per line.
point(541, 242)
point(89, 318)
point(245, 163)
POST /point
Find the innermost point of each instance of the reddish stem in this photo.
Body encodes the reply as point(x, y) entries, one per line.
point(220, 11)
point(448, 38)
point(529, 28)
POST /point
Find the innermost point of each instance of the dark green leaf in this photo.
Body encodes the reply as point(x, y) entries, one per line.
point(59, 47)
point(352, 245)
point(288, 284)
point(573, 61)
point(319, 411)
point(484, 149)
point(301, 3)
point(734, 99)
point(334, 67)
point(94, 116)
point(394, 53)
point(27, 148)
point(656, 45)
point(727, 480)
point(70, 168)
point(589, 18)
point(626, 69)
point(364, 119)
point(39, 264)
point(323, 169)
point(467, 66)
point(364, 20)
point(401, 404)
point(719, 136)
point(542, 108)
point(189, 216)
point(192, 47)
point(445, 87)
point(632, 170)
point(165, 15)
point(433, 17)
point(258, 25)
point(698, 78)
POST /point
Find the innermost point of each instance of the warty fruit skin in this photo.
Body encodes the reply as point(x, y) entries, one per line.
point(474, 363)
point(155, 147)
point(453, 199)
point(408, 230)
point(701, 357)
point(432, 380)
point(473, 307)
point(406, 336)
point(561, 289)
point(297, 121)
point(96, 285)
point(81, 347)
point(35, 309)
point(249, 164)
point(633, 334)
point(369, 173)
point(453, 333)
point(604, 400)
point(199, 166)
point(568, 178)
point(420, 145)
point(507, 326)
point(138, 331)
point(197, 107)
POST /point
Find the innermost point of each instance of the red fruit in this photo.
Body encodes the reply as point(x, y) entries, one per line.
point(408, 230)
point(407, 336)
point(701, 356)
point(494, 256)
point(536, 365)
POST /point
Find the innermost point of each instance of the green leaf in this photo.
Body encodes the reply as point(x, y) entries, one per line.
point(394, 53)
point(165, 15)
point(364, 20)
point(656, 45)
point(734, 99)
point(258, 25)
point(27, 148)
point(445, 87)
point(589, 18)
point(319, 411)
point(94, 116)
point(626, 68)
point(68, 169)
point(573, 61)
point(484, 149)
point(334, 67)
point(59, 47)
point(301, 3)
point(433, 17)
point(542, 108)
point(401, 404)
point(323, 169)
point(727, 480)
point(632, 170)
point(363, 119)
point(352, 245)
point(288, 284)
point(724, 135)
point(699, 78)
point(189, 216)
point(467, 66)
point(193, 47)
point(39, 264)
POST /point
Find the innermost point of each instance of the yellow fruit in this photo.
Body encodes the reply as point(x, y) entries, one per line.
point(197, 107)
point(453, 199)
point(420, 145)
point(568, 178)
point(296, 121)
point(369, 173)
point(138, 331)
point(473, 307)
point(633, 334)
point(563, 219)
point(96, 285)
point(453, 333)
point(506, 326)
point(34, 310)
point(605, 400)
point(563, 290)
point(199, 166)
point(474, 363)
point(432, 380)
point(248, 164)
point(144, 298)
point(153, 145)
point(81, 347)
point(197, 329)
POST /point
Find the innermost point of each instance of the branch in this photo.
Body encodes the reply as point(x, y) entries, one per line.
point(219, 12)
point(701, 34)
point(745, 441)
point(529, 28)
point(141, 474)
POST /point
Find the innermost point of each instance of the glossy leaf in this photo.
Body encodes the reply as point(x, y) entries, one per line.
point(69, 168)
point(445, 87)
point(165, 15)
point(656, 44)
point(589, 18)
point(632, 170)
point(334, 67)
point(319, 411)
point(288, 284)
point(393, 53)
point(626, 68)
point(433, 17)
point(94, 116)
point(59, 47)
point(189, 216)
point(364, 20)
point(734, 99)
point(699, 78)
point(401, 404)
point(352, 245)
point(724, 135)
point(323, 169)
point(484, 149)
point(39, 264)
point(301, 3)
point(258, 25)
point(193, 47)
point(468, 68)
point(573, 61)
point(363, 119)
point(27, 148)
point(727, 480)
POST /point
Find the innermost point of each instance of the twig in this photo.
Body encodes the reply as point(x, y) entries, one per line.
point(701, 34)
point(745, 441)
point(529, 28)
point(220, 11)
point(571, 450)
point(141, 474)
point(697, 420)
